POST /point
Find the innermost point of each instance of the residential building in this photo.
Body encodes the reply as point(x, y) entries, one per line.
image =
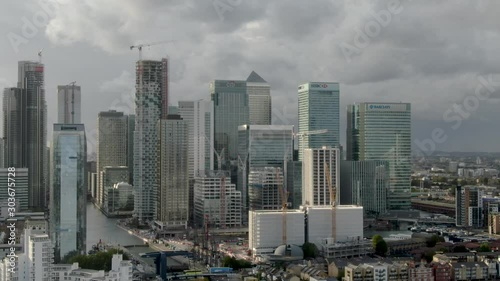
point(491, 205)
point(420, 272)
point(130, 146)
point(25, 129)
point(469, 271)
point(172, 205)
point(20, 177)
point(112, 147)
point(230, 101)
point(469, 206)
point(216, 200)
point(319, 109)
point(3, 153)
point(69, 105)
point(494, 223)
point(318, 165)
point(151, 106)
point(259, 100)
point(442, 271)
point(264, 186)
point(31, 81)
point(68, 194)
point(200, 122)
point(364, 183)
point(382, 131)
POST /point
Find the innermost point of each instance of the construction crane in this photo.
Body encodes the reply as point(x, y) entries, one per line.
point(222, 222)
point(140, 46)
point(301, 136)
point(242, 165)
point(40, 55)
point(331, 190)
point(284, 205)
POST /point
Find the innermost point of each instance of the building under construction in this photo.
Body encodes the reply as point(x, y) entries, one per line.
point(263, 188)
point(216, 200)
point(310, 224)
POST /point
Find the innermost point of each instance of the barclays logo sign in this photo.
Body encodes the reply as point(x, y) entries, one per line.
point(381, 106)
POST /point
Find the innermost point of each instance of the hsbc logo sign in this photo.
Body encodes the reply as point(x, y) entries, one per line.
point(230, 84)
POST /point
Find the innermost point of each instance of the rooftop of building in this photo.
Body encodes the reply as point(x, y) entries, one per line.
point(255, 78)
point(468, 264)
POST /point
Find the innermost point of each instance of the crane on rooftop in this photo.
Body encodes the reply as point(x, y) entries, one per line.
point(140, 46)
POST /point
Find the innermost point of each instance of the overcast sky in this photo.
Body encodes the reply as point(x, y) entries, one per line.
point(434, 54)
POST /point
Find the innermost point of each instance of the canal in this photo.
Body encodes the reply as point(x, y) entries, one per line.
point(102, 228)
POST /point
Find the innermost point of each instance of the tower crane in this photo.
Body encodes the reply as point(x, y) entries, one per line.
point(332, 191)
point(222, 196)
point(242, 165)
point(140, 46)
point(301, 136)
point(284, 205)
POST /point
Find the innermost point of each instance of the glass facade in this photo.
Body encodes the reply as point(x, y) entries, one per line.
point(259, 98)
point(318, 110)
point(364, 183)
point(68, 196)
point(382, 131)
point(230, 100)
point(262, 146)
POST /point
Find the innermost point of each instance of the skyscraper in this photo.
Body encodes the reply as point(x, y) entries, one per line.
point(69, 104)
point(112, 145)
point(21, 188)
point(318, 110)
point(230, 100)
point(382, 131)
point(262, 146)
point(25, 129)
point(130, 146)
point(199, 118)
point(365, 183)
point(173, 191)
point(151, 101)
point(317, 163)
point(15, 127)
point(259, 100)
point(68, 194)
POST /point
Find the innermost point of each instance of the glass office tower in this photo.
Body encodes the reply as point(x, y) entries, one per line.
point(230, 100)
point(68, 194)
point(382, 131)
point(318, 110)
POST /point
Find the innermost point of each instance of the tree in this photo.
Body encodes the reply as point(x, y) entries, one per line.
point(379, 245)
point(460, 249)
point(69, 256)
point(235, 264)
point(97, 261)
point(310, 250)
point(485, 247)
point(433, 240)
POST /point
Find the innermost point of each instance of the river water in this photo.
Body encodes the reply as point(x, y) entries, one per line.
point(100, 227)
